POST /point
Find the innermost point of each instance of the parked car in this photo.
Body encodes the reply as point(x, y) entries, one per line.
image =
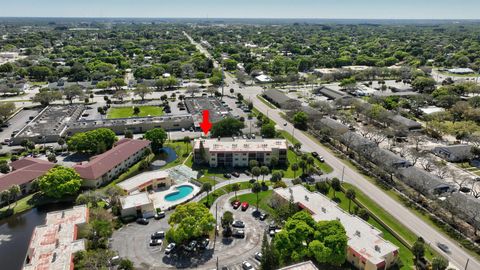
point(263, 216)
point(443, 247)
point(314, 154)
point(321, 159)
point(245, 206)
point(158, 235)
point(227, 175)
point(258, 256)
point(285, 124)
point(236, 204)
point(204, 243)
point(247, 266)
point(273, 232)
point(159, 215)
point(238, 224)
point(191, 246)
point(170, 248)
point(142, 221)
point(155, 242)
point(236, 174)
point(238, 233)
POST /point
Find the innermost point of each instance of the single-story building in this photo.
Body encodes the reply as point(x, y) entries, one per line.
point(146, 181)
point(454, 153)
point(398, 120)
point(138, 204)
point(461, 70)
point(308, 265)
point(280, 99)
point(25, 171)
point(332, 94)
point(105, 167)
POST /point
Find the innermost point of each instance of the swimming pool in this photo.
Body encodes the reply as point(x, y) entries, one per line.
point(180, 193)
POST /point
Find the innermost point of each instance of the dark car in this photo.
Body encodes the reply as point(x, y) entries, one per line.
point(236, 174)
point(158, 235)
point(443, 247)
point(227, 175)
point(263, 216)
point(314, 154)
point(191, 246)
point(155, 242)
point(170, 248)
point(258, 256)
point(204, 243)
point(238, 233)
point(236, 204)
point(238, 224)
point(142, 221)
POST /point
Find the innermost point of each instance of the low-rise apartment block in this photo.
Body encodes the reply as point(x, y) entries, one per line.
point(105, 167)
point(53, 245)
point(366, 247)
point(229, 152)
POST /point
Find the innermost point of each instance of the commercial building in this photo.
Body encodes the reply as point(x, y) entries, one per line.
point(54, 244)
point(24, 172)
point(454, 153)
point(105, 167)
point(279, 99)
point(196, 106)
point(238, 152)
point(366, 247)
point(138, 204)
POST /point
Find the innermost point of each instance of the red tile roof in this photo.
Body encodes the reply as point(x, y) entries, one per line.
point(25, 170)
point(101, 164)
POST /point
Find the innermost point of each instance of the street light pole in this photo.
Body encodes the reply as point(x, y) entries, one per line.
point(343, 173)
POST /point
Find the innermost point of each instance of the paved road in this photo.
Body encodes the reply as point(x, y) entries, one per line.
point(458, 256)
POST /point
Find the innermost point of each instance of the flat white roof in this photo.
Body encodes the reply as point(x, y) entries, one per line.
point(308, 265)
point(136, 200)
point(142, 179)
point(263, 78)
point(363, 238)
point(431, 109)
point(53, 244)
point(241, 145)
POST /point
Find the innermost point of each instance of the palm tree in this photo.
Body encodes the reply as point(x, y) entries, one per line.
point(207, 187)
point(14, 191)
point(350, 194)
point(264, 170)
point(294, 167)
point(256, 188)
point(335, 186)
point(235, 188)
point(310, 161)
point(186, 140)
point(256, 171)
point(302, 165)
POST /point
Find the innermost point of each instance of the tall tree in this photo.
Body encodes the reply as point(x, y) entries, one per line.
point(256, 171)
point(336, 186)
point(294, 167)
point(189, 221)
point(264, 170)
point(256, 188)
point(235, 188)
point(157, 136)
point(59, 182)
point(142, 91)
point(72, 92)
point(350, 194)
point(207, 187)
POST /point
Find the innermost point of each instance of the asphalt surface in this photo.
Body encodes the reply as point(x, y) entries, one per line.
point(132, 242)
point(457, 255)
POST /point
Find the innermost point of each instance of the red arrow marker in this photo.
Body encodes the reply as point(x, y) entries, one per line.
point(205, 125)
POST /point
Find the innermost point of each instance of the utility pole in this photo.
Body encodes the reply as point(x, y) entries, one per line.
point(343, 173)
point(466, 265)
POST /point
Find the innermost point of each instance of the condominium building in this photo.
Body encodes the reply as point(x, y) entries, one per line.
point(228, 152)
point(54, 244)
point(105, 167)
point(366, 247)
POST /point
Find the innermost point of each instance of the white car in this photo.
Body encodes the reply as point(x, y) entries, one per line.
point(247, 266)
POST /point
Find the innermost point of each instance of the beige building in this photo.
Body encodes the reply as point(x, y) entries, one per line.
point(146, 181)
point(308, 265)
point(137, 205)
point(54, 244)
point(366, 247)
point(229, 152)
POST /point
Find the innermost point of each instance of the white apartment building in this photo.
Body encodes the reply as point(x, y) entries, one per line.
point(366, 247)
point(228, 152)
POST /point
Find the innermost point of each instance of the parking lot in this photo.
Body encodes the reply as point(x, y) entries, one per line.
point(132, 242)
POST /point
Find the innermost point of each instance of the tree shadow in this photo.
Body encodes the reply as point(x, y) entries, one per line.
point(337, 200)
point(227, 240)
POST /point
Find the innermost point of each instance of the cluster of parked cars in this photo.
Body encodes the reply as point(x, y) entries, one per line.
point(195, 245)
point(237, 204)
point(156, 238)
point(228, 175)
point(273, 229)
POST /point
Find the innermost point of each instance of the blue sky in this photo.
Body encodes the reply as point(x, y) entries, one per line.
point(345, 9)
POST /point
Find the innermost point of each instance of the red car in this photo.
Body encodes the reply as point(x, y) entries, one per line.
point(236, 204)
point(244, 206)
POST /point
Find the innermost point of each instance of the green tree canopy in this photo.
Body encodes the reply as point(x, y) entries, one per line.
point(300, 120)
point(157, 136)
point(59, 182)
point(189, 221)
point(227, 127)
point(92, 142)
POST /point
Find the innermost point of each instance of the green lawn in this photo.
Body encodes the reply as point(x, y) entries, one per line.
point(263, 199)
point(127, 112)
point(288, 137)
point(22, 205)
point(182, 149)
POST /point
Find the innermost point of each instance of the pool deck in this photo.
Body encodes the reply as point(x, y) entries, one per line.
point(159, 201)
